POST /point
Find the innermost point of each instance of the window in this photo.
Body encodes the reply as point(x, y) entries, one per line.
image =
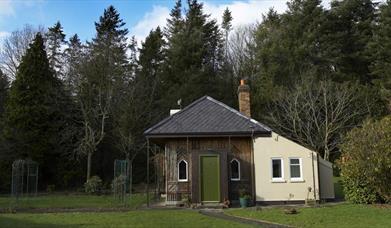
point(182, 171)
point(235, 170)
point(295, 169)
point(277, 170)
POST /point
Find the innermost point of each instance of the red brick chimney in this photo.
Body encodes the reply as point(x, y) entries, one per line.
point(244, 98)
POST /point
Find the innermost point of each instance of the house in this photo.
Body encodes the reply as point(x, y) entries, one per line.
point(212, 151)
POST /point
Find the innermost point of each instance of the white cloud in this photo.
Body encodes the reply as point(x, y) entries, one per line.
point(152, 19)
point(243, 12)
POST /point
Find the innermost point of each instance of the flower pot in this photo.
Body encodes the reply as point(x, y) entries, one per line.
point(243, 202)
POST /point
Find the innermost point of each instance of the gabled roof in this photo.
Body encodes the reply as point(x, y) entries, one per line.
point(207, 116)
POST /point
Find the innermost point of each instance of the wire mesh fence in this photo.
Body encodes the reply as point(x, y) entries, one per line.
point(24, 178)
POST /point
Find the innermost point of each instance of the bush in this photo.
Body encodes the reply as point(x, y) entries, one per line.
point(93, 185)
point(366, 163)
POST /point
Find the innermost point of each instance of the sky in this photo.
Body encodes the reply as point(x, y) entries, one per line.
point(140, 16)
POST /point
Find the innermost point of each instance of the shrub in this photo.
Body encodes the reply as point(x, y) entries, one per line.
point(366, 162)
point(50, 188)
point(93, 185)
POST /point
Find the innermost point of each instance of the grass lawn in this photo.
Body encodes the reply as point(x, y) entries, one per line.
point(143, 218)
point(342, 215)
point(70, 201)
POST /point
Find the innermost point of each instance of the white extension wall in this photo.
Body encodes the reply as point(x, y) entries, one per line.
point(266, 148)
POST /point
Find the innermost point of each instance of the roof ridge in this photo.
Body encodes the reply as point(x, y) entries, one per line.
point(237, 112)
point(173, 115)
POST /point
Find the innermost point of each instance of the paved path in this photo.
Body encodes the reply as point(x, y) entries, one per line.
point(221, 215)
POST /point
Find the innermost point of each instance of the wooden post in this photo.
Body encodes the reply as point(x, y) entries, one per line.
point(147, 172)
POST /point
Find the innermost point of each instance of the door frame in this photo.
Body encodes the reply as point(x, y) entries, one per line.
point(200, 176)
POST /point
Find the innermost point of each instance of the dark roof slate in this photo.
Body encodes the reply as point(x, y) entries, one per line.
point(207, 116)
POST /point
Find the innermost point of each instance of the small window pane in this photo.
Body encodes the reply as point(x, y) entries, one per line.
point(295, 161)
point(295, 171)
point(295, 168)
point(182, 170)
point(277, 173)
point(234, 169)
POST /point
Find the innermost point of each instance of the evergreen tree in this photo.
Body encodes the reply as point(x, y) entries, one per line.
point(103, 74)
point(227, 79)
point(4, 161)
point(174, 22)
point(133, 57)
point(148, 80)
point(226, 25)
point(270, 61)
point(287, 47)
point(380, 52)
point(3, 92)
point(194, 56)
point(346, 33)
point(73, 55)
point(33, 118)
point(140, 106)
point(55, 41)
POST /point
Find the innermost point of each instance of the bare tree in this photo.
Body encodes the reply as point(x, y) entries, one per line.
point(317, 114)
point(95, 99)
point(124, 120)
point(241, 54)
point(14, 46)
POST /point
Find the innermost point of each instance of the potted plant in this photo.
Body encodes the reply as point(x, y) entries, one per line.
point(244, 198)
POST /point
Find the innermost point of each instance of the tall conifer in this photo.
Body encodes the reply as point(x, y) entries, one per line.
point(33, 116)
point(55, 41)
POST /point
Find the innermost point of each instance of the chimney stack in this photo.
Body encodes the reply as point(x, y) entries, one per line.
point(244, 98)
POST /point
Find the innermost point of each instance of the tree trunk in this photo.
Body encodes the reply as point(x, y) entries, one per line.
point(130, 179)
point(89, 165)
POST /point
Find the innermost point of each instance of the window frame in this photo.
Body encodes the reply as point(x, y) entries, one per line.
point(187, 171)
point(296, 179)
point(277, 179)
point(230, 166)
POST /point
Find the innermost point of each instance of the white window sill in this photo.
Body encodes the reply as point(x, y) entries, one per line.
point(183, 180)
point(235, 179)
point(278, 181)
point(297, 181)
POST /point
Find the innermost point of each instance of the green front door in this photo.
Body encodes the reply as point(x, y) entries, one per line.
point(210, 178)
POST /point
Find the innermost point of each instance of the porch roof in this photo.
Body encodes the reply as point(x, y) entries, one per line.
point(207, 117)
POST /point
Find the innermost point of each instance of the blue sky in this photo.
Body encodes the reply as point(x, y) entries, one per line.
point(78, 16)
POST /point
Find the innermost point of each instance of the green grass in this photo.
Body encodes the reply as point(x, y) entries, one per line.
point(342, 215)
point(70, 201)
point(144, 218)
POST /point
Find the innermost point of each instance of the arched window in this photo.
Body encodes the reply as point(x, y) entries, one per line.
point(235, 170)
point(182, 171)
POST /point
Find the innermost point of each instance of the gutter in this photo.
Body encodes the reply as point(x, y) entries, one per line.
point(211, 134)
point(313, 174)
point(317, 162)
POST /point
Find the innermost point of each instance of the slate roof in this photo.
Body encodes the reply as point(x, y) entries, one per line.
point(207, 116)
